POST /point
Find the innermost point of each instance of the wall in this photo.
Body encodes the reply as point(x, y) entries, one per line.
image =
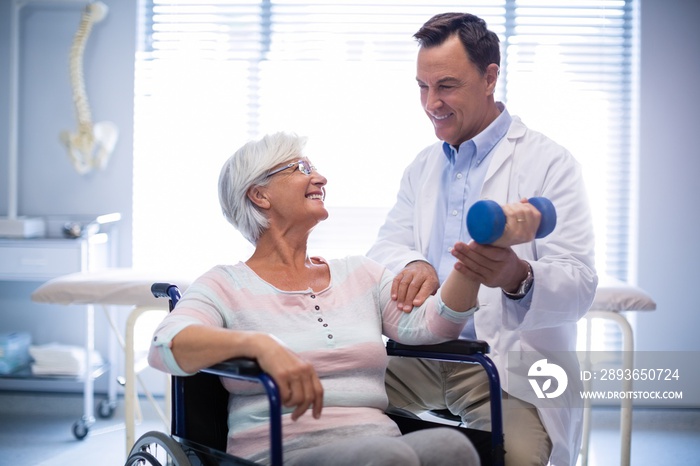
point(668, 248)
point(48, 183)
point(669, 166)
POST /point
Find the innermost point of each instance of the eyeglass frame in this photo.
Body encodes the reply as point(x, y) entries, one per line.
point(300, 163)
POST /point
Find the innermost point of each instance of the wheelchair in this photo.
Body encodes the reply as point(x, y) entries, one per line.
point(199, 407)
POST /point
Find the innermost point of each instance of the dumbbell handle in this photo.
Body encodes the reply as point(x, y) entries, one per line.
point(486, 221)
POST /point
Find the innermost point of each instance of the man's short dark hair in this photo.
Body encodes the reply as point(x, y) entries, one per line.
point(482, 46)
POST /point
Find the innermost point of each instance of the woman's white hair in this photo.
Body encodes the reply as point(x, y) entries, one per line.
point(248, 167)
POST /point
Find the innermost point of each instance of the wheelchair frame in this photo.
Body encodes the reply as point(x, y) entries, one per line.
point(184, 450)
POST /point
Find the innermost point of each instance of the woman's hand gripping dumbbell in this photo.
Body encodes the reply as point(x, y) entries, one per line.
point(489, 223)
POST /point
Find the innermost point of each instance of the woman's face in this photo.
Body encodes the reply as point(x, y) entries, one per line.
point(296, 198)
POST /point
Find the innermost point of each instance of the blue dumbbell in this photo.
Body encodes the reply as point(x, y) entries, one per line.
point(486, 220)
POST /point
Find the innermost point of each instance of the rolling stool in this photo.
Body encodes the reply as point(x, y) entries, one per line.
point(117, 287)
point(612, 298)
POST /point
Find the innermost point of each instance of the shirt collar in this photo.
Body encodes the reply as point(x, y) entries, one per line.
point(485, 140)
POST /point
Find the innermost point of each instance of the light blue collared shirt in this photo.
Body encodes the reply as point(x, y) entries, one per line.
point(463, 173)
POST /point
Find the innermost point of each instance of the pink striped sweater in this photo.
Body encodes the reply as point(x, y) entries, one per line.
point(339, 330)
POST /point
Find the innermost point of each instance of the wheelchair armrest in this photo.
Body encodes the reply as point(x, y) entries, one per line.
point(236, 368)
point(451, 350)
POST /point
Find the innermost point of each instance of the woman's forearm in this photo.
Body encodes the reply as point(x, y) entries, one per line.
point(198, 346)
point(459, 293)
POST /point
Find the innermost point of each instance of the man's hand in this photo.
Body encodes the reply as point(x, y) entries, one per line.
point(497, 265)
point(414, 284)
point(522, 221)
point(492, 266)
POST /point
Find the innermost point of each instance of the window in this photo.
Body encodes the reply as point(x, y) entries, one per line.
point(212, 75)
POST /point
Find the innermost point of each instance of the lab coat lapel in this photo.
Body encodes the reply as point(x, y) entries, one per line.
point(498, 188)
point(427, 199)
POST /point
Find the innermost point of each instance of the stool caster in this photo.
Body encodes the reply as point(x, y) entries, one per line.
point(81, 428)
point(106, 408)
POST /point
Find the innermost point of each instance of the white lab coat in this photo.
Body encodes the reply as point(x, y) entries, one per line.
point(524, 164)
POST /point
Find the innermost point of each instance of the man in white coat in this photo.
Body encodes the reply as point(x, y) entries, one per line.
point(534, 293)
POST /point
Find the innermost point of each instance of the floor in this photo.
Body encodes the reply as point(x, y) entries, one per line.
point(36, 430)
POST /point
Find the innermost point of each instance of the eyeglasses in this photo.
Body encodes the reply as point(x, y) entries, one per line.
point(305, 167)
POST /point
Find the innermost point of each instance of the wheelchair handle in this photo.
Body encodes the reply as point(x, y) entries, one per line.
point(166, 290)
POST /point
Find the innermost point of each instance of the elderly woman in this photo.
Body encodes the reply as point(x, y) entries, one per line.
point(315, 326)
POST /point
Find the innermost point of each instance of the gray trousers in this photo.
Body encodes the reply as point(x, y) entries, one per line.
point(441, 446)
point(418, 385)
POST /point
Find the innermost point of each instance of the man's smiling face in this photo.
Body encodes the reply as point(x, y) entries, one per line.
point(455, 95)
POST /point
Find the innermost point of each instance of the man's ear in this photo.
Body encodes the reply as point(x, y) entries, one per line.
point(491, 75)
point(258, 196)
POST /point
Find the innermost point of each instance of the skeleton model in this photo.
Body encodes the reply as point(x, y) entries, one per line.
point(92, 145)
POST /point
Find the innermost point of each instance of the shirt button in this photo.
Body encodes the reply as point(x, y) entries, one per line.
point(313, 296)
point(325, 325)
point(450, 249)
point(454, 212)
point(317, 307)
point(320, 320)
point(459, 176)
point(330, 337)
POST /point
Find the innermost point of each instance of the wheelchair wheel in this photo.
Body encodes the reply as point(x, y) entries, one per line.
point(157, 449)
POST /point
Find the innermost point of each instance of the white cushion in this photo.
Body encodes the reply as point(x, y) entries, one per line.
point(119, 286)
point(618, 296)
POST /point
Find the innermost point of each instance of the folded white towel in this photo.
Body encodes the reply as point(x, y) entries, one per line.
point(59, 359)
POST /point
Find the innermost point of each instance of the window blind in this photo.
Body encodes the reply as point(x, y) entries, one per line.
point(574, 61)
point(212, 75)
